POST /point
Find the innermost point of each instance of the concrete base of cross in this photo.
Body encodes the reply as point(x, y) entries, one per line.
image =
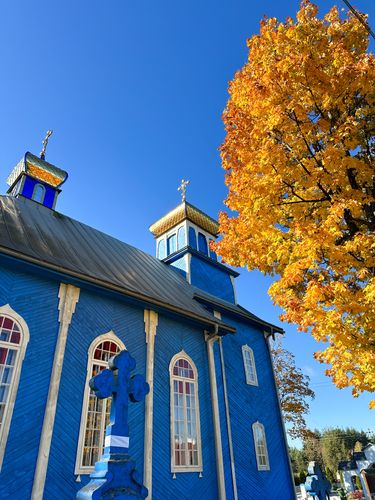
point(114, 478)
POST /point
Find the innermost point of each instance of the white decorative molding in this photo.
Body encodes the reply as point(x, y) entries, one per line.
point(7, 311)
point(111, 337)
point(151, 323)
point(210, 340)
point(188, 267)
point(217, 314)
point(232, 279)
point(69, 296)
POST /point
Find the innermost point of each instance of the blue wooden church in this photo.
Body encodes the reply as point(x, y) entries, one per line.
point(71, 297)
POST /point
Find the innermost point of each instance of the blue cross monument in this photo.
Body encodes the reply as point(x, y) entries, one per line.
point(316, 484)
point(115, 476)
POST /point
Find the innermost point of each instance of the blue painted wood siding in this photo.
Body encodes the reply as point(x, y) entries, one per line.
point(211, 279)
point(171, 338)
point(36, 300)
point(28, 189)
point(223, 425)
point(180, 266)
point(94, 316)
point(248, 404)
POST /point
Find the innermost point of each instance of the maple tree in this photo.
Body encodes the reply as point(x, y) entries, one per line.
point(299, 155)
point(294, 390)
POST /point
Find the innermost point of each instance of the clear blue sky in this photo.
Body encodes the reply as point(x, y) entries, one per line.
point(134, 91)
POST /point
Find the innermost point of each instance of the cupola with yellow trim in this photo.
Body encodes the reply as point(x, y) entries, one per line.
point(183, 238)
point(36, 179)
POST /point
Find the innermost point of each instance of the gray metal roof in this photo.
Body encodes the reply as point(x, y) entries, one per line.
point(37, 234)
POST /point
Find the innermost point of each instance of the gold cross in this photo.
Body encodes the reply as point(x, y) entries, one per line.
point(182, 188)
point(45, 142)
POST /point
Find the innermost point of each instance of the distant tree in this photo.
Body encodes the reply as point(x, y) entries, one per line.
point(332, 445)
point(353, 437)
point(334, 448)
point(331, 476)
point(302, 476)
point(294, 390)
point(358, 483)
point(298, 460)
point(312, 447)
point(300, 160)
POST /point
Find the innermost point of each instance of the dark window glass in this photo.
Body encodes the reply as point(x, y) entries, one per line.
point(192, 238)
point(202, 243)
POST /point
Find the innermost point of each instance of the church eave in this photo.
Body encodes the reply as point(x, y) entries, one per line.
point(179, 253)
point(237, 311)
point(214, 325)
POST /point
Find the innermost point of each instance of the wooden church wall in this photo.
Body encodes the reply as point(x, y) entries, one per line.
point(171, 338)
point(249, 404)
point(211, 279)
point(223, 425)
point(95, 315)
point(36, 300)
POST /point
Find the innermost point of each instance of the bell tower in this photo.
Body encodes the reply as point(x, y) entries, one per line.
point(183, 238)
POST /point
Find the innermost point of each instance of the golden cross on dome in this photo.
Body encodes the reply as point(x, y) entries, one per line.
point(45, 142)
point(182, 188)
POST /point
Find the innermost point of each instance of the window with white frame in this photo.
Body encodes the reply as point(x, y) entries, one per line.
point(181, 237)
point(14, 336)
point(249, 365)
point(260, 445)
point(95, 412)
point(39, 193)
point(186, 448)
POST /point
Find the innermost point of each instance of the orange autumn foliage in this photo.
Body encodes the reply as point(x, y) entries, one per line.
point(299, 155)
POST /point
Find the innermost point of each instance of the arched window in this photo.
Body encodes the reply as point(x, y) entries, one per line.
point(249, 365)
point(172, 244)
point(212, 253)
point(192, 238)
point(161, 254)
point(39, 193)
point(202, 243)
point(95, 412)
point(14, 336)
point(186, 448)
point(260, 446)
point(181, 237)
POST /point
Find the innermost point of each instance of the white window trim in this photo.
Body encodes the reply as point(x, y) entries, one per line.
point(261, 426)
point(185, 468)
point(246, 348)
point(173, 231)
point(109, 336)
point(7, 311)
